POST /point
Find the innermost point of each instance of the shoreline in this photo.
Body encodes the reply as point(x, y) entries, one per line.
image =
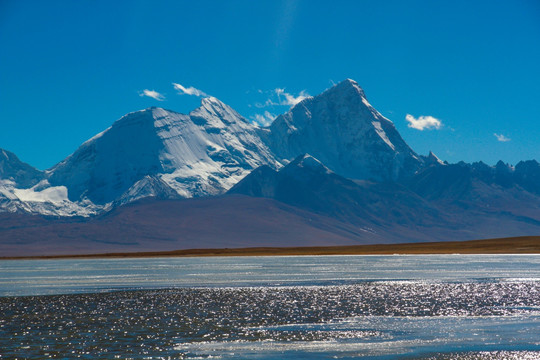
point(512, 245)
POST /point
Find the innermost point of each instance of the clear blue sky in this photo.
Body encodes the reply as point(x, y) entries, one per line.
point(68, 69)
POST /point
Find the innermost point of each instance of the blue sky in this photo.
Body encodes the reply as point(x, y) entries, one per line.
point(68, 69)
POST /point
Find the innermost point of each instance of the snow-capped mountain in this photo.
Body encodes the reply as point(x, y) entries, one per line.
point(161, 153)
point(167, 155)
point(360, 183)
point(203, 153)
point(20, 174)
point(26, 189)
point(432, 159)
point(341, 129)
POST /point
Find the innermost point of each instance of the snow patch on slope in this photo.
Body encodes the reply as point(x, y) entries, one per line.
point(43, 199)
point(53, 194)
point(382, 134)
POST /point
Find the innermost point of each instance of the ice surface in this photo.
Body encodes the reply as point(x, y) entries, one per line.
point(346, 307)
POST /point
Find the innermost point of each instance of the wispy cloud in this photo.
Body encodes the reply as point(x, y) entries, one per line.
point(279, 97)
point(264, 119)
point(153, 94)
point(501, 137)
point(189, 90)
point(289, 99)
point(423, 122)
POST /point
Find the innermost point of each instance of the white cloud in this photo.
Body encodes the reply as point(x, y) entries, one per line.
point(279, 97)
point(153, 94)
point(501, 137)
point(423, 122)
point(189, 91)
point(263, 119)
point(288, 99)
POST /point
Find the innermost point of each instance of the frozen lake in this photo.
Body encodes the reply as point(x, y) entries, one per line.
point(373, 307)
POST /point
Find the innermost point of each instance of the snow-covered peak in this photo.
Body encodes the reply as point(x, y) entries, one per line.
point(307, 161)
point(148, 186)
point(212, 102)
point(340, 128)
point(214, 108)
point(135, 115)
point(136, 118)
point(20, 173)
point(432, 159)
point(200, 154)
point(347, 86)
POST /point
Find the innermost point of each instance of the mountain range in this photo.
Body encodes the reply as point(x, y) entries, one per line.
point(330, 171)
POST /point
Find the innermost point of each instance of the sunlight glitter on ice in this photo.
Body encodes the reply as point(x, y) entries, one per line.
point(381, 335)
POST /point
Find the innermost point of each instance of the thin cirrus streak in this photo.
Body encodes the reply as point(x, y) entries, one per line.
point(501, 137)
point(189, 90)
point(152, 94)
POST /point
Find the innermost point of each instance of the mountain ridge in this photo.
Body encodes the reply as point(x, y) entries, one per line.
point(207, 151)
point(331, 157)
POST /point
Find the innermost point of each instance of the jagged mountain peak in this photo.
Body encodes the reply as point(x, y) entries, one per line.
point(501, 166)
point(148, 186)
point(4, 154)
point(16, 171)
point(212, 107)
point(346, 86)
point(532, 163)
point(433, 159)
point(300, 175)
point(7, 158)
point(307, 161)
point(340, 128)
point(212, 111)
point(527, 174)
point(213, 101)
